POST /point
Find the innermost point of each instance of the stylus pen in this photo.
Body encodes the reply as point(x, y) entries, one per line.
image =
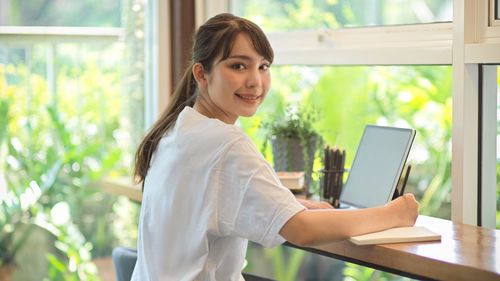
point(405, 180)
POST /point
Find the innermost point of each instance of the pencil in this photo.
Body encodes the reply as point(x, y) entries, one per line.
point(408, 169)
point(330, 175)
point(333, 161)
point(327, 173)
point(341, 173)
point(336, 172)
point(325, 176)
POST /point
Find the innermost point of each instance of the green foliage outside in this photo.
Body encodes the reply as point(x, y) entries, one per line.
point(55, 156)
point(282, 15)
point(56, 146)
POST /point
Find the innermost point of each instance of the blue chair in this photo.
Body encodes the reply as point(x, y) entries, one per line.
point(124, 262)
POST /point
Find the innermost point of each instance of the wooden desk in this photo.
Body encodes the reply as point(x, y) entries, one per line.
point(465, 252)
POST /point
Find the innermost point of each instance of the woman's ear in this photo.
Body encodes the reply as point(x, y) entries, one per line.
point(199, 75)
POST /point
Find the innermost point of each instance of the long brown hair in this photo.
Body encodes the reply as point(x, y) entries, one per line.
point(215, 37)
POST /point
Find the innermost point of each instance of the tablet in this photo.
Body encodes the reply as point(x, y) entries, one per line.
point(377, 166)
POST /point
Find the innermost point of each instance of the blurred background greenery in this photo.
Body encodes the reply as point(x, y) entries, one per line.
point(61, 134)
point(73, 113)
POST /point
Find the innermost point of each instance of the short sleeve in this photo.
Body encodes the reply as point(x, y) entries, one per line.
point(251, 201)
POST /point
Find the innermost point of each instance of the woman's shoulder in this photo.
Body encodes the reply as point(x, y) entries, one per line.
point(190, 119)
point(197, 127)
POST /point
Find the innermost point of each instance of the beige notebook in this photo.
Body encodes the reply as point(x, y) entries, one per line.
point(397, 235)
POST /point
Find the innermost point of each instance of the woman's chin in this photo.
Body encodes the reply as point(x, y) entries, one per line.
point(248, 113)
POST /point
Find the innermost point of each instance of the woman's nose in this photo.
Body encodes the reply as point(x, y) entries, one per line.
point(254, 79)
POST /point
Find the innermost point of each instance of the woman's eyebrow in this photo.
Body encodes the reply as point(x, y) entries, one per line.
point(243, 57)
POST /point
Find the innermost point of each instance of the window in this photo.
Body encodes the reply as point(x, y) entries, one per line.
point(481, 73)
point(82, 69)
point(72, 92)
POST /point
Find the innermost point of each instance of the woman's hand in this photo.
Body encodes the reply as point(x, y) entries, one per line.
point(315, 205)
point(405, 208)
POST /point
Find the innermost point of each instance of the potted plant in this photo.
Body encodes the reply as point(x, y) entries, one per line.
point(293, 140)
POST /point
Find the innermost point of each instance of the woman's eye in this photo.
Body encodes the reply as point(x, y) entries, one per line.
point(264, 67)
point(238, 66)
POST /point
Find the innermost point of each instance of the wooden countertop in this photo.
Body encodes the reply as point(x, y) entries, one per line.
point(465, 252)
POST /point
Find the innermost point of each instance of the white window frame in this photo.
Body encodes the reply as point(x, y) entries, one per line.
point(488, 26)
point(472, 39)
point(476, 41)
point(157, 58)
point(486, 50)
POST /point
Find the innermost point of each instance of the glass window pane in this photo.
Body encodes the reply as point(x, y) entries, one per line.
point(87, 13)
point(85, 79)
point(71, 113)
point(281, 15)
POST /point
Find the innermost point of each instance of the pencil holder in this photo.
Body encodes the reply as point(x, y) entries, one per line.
point(331, 182)
point(333, 175)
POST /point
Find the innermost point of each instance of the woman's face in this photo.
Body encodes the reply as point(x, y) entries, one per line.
point(235, 86)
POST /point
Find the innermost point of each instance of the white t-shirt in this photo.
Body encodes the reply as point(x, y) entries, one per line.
point(207, 192)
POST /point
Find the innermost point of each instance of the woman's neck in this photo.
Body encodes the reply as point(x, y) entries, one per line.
point(207, 107)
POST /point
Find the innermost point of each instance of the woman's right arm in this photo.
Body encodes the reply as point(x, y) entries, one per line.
point(314, 227)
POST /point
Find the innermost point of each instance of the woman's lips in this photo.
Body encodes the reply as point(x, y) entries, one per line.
point(249, 98)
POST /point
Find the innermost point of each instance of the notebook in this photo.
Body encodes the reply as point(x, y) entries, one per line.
point(377, 166)
point(397, 235)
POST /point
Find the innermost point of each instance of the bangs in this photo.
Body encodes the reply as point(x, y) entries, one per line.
point(257, 38)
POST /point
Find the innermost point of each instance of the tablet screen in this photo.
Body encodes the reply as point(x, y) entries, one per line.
point(377, 166)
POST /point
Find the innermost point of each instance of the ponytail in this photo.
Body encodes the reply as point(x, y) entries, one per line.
point(184, 95)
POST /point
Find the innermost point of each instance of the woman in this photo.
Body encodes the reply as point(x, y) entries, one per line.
point(207, 189)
